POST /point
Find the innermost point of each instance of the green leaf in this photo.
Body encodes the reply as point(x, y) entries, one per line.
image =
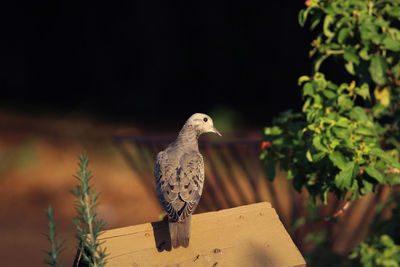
point(382, 154)
point(350, 54)
point(303, 79)
point(396, 70)
point(394, 33)
point(345, 177)
point(318, 145)
point(368, 30)
point(303, 16)
point(308, 156)
point(378, 110)
point(290, 174)
point(394, 178)
point(358, 114)
point(394, 12)
point(318, 62)
point(298, 223)
point(318, 156)
point(342, 133)
point(377, 39)
point(315, 21)
point(317, 99)
point(343, 33)
point(275, 130)
point(364, 52)
point(308, 89)
point(263, 155)
point(329, 93)
point(345, 20)
point(363, 91)
point(331, 85)
point(374, 173)
point(365, 131)
point(279, 141)
point(343, 122)
point(381, 22)
point(387, 241)
point(327, 22)
point(350, 67)
point(390, 44)
point(306, 104)
point(377, 69)
point(338, 160)
point(344, 102)
point(368, 187)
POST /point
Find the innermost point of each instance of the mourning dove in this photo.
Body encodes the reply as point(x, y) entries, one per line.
point(179, 177)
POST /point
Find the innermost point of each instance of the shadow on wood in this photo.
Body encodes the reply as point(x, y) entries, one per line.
point(161, 236)
point(250, 235)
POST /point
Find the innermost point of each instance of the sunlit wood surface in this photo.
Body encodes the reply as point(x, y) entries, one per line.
point(250, 235)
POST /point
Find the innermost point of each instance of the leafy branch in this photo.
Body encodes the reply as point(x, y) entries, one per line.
point(346, 138)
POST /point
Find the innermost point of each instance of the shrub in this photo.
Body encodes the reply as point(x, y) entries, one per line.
point(346, 139)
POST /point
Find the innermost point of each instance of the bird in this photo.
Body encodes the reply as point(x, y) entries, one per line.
point(179, 177)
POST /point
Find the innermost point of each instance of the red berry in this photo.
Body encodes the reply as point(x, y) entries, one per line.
point(265, 144)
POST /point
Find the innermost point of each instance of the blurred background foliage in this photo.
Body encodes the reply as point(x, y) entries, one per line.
point(346, 139)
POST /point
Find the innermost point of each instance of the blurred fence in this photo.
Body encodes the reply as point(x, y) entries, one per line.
point(235, 176)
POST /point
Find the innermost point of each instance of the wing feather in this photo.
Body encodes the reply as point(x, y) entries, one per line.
point(179, 184)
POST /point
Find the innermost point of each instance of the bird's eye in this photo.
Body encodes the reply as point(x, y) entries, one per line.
point(205, 119)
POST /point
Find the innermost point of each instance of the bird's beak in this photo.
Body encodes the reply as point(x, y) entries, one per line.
point(214, 130)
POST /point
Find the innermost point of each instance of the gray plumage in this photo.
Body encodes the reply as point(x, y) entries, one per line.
point(179, 177)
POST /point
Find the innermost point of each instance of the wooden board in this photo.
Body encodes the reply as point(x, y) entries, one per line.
point(250, 235)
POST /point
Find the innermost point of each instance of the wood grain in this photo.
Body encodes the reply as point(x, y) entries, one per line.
point(250, 235)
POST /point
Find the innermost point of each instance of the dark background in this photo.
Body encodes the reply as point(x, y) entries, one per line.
point(135, 60)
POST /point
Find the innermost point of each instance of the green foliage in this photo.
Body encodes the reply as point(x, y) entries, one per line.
point(388, 226)
point(89, 227)
point(56, 246)
point(322, 254)
point(382, 247)
point(346, 139)
point(364, 35)
point(380, 251)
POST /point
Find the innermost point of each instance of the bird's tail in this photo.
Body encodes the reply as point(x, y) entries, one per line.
point(180, 232)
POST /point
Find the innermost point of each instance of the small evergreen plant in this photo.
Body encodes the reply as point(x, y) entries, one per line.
point(56, 246)
point(87, 223)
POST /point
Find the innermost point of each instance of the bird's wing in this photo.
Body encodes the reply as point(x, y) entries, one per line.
point(179, 184)
point(191, 181)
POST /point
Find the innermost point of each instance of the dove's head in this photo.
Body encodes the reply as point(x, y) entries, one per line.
point(202, 123)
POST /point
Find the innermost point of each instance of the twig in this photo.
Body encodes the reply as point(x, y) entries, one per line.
point(392, 171)
point(339, 212)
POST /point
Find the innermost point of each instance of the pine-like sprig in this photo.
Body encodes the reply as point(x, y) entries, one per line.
point(87, 223)
point(56, 246)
